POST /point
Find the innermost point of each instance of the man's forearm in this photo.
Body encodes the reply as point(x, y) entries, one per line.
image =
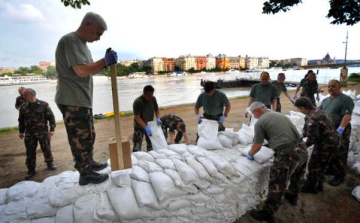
point(196, 111)
point(157, 113)
point(274, 104)
point(85, 70)
point(227, 109)
point(140, 121)
point(255, 148)
point(345, 121)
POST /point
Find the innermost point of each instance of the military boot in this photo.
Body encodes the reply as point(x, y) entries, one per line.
point(262, 216)
point(291, 198)
point(30, 174)
point(51, 166)
point(309, 188)
point(95, 166)
point(337, 181)
point(320, 186)
point(92, 177)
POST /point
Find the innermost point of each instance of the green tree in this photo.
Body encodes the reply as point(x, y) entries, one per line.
point(36, 70)
point(75, 3)
point(343, 12)
point(272, 63)
point(51, 72)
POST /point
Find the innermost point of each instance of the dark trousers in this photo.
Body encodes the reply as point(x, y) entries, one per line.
point(215, 118)
point(287, 167)
point(81, 135)
point(138, 138)
point(339, 160)
point(178, 136)
point(278, 106)
point(31, 141)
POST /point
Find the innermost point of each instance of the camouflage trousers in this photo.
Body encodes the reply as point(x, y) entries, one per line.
point(320, 159)
point(138, 138)
point(31, 141)
point(79, 125)
point(278, 106)
point(178, 136)
point(288, 166)
point(339, 160)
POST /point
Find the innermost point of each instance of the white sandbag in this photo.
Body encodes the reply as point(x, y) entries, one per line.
point(62, 195)
point(65, 214)
point(15, 211)
point(249, 131)
point(157, 155)
point(67, 177)
point(134, 160)
point(209, 144)
point(187, 174)
point(21, 190)
point(229, 132)
point(149, 166)
point(199, 169)
point(214, 189)
point(123, 201)
point(198, 198)
point(179, 204)
point(166, 163)
point(168, 152)
point(164, 187)
point(157, 138)
point(104, 212)
point(356, 193)
point(178, 148)
point(211, 169)
point(44, 220)
point(208, 129)
point(140, 174)
point(197, 151)
point(121, 177)
point(225, 141)
point(84, 209)
point(3, 194)
point(39, 206)
point(249, 164)
point(143, 156)
point(262, 156)
point(244, 139)
point(179, 183)
point(187, 154)
point(223, 166)
point(145, 194)
point(356, 167)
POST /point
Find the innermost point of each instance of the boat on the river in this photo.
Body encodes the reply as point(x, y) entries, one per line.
point(23, 80)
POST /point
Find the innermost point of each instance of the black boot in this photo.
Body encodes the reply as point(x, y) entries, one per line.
point(337, 181)
point(309, 188)
point(262, 216)
point(92, 177)
point(320, 186)
point(51, 166)
point(291, 198)
point(30, 174)
point(95, 166)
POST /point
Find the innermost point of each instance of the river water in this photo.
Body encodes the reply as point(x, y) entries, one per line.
point(169, 91)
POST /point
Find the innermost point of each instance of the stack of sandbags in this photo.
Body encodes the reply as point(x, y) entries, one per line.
point(354, 151)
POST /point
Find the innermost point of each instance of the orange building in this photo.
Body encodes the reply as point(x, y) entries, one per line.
point(169, 64)
point(223, 62)
point(200, 63)
point(44, 65)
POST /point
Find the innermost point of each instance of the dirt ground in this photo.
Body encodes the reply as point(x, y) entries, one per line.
point(336, 204)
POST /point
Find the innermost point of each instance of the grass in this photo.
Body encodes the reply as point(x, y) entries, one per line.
point(15, 129)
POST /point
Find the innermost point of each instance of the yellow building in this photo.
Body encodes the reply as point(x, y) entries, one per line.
point(185, 62)
point(210, 62)
point(157, 64)
point(223, 62)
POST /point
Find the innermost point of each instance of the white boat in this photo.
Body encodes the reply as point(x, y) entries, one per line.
point(23, 80)
point(131, 76)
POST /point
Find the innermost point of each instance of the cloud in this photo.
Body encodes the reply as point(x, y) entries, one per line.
point(23, 12)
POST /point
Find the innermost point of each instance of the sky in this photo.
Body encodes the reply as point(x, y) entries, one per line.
point(141, 29)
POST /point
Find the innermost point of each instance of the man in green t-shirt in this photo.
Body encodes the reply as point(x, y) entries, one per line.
point(339, 107)
point(280, 87)
point(213, 103)
point(263, 92)
point(309, 87)
point(289, 160)
point(74, 93)
point(144, 107)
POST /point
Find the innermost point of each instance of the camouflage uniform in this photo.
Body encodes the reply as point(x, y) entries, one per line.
point(79, 125)
point(309, 89)
point(319, 131)
point(33, 118)
point(138, 139)
point(170, 122)
point(20, 100)
point(289, 165)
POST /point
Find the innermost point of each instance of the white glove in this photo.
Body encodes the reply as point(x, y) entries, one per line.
point(294, 97)
point(247, 112)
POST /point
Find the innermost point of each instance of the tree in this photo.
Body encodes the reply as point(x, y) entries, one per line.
point(343, 12)
point(75, 3)
point(50, 72)
point(36, 70)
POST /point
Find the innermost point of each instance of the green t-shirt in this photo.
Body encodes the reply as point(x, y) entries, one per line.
point(72, 89)
point(213, 105)
point(146, 109)
point(264, 93)
point(277, 129)
point(280, 87)
point(337, 107)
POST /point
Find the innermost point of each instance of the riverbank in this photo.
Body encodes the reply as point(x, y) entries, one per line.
point(335, 203)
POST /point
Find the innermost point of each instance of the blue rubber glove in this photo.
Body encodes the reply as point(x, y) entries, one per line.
point(340, 130)
point(158, 121)
point(317, 97)
point(148, 131)
point(222, 119)
point(110, 57)
point(198, 119)
point(250, 157)
point(294, 97)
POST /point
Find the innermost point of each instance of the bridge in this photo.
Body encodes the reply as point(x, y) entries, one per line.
point(334, 65)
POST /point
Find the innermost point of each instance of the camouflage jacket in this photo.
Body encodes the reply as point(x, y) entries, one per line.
point(318, 128)
point(33, 117)
point(171, 121)
point(20, 100)
point(309, 88)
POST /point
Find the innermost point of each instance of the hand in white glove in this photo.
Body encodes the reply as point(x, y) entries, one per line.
point(294, 97)
point(247, 112)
